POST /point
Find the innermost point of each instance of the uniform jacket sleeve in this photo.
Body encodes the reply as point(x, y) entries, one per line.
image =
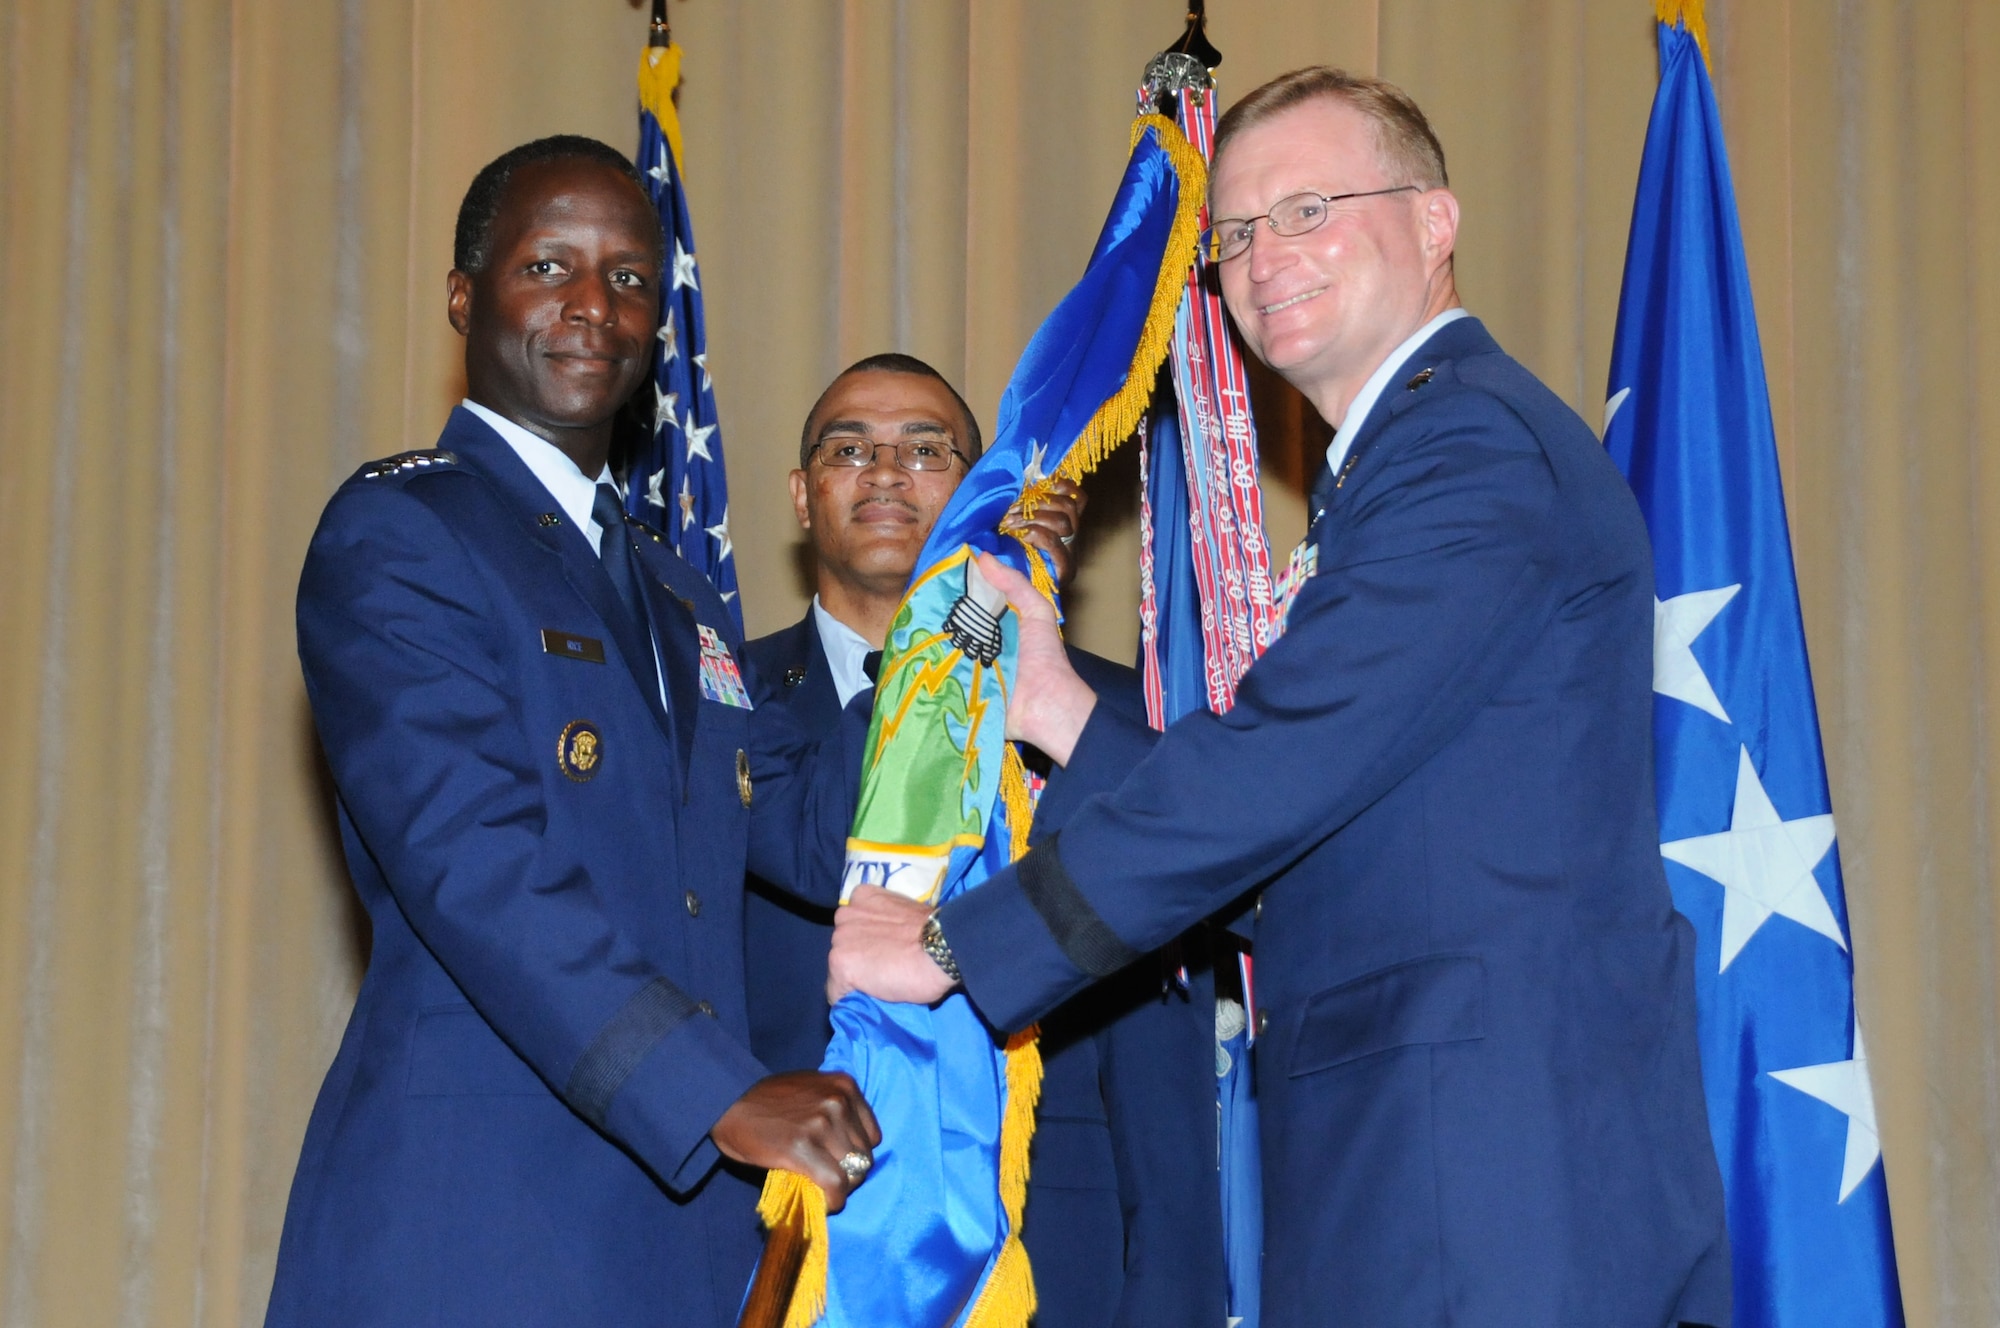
point(433, 764)
point(807, 786)
point(1432, 585)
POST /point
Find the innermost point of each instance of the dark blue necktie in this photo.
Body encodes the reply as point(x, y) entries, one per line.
point(1322, 492)
point(614, 547)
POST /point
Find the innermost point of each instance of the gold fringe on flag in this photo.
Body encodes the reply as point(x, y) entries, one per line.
point(1688, 16)
point(787, 1195)
point(1020, 804)
point(1119, 416)
point(1008, 1298)
point(1038, 573)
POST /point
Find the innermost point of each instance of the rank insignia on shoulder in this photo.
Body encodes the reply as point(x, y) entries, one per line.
point(580, 751)
point(404, 462)
point(720, 679)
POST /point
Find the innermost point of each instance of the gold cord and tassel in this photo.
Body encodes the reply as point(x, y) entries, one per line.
point(659, 75)
point(1688, 16)
point(791, 1198)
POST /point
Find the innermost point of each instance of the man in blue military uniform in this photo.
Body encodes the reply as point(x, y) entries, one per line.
point(1123, 1222)
point(1479, 1091)
point(545, 1110)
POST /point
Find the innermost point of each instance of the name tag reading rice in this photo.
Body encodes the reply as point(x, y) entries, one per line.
point(586, 648)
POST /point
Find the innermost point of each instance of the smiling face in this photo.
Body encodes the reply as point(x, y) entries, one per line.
point(1325, 308)
point(867, 524)
point(559, 324)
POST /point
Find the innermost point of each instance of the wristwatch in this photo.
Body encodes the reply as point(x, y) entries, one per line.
point(939, 949)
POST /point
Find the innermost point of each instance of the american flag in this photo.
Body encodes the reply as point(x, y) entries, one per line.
point(677, 480)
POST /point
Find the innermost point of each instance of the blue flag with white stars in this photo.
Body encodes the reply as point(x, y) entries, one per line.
point(1746, 824)
point(677, 482)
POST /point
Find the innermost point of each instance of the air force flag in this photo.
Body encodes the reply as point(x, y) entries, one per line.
point(1747, 826)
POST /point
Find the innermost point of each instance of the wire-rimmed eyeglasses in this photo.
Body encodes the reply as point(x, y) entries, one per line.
point(1294, 215)
point(856, 453)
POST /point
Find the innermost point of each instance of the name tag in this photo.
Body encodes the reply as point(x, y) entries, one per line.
point(720, 680)
point(586, 648)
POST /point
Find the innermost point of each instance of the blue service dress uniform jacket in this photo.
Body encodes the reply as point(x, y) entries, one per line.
point(1123, 1222)
point(515, 1127)
point(1478, 1081)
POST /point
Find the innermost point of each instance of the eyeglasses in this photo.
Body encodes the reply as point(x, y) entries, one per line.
point(1295, 215)
point(921, 454)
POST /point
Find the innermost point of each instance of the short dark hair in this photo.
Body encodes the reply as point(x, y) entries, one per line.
point(472, 243)
point(1404, 140)
point(890, 361)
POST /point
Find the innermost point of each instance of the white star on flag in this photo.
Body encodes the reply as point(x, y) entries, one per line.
point(653, 494)
point(701, 363)
point(1611, 406)
point(1676, 623)
point(721, 531)
point(687, 501)
point(661, 171)
point(663, 407)
point(697, 436)
point(684, 274)
point(1764, 865)
point(670, 340)
point(1032, 472)
point(1844, 1086)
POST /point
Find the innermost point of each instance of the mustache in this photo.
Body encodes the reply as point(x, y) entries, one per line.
point(906, 505)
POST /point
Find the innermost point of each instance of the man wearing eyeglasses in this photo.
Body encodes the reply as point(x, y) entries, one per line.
point(1123, 1221)
point(1478, 1083)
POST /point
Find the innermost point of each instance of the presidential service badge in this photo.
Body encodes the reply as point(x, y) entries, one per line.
point(580, 750)
point(720, 680)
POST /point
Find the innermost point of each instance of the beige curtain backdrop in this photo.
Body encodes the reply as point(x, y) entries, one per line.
point(224, 229)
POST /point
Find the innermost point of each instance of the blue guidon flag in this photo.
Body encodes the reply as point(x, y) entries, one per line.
point(932, 1239)
point(677, 482)
point(1746, 824)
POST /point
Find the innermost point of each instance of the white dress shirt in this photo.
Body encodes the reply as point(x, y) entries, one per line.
point(845, 648)
point(571, 489)
point(1371, 391)
point(566, 483)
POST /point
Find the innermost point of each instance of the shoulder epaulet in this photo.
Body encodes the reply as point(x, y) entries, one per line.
point(404, 463)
